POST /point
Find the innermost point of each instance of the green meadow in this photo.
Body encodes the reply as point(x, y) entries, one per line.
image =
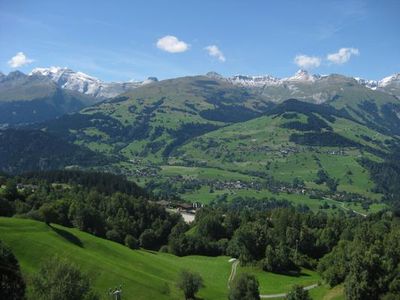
point(142, 274)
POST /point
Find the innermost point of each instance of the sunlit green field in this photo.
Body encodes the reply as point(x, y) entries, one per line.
point(142, 274)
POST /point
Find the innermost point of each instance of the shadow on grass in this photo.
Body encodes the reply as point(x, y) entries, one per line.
point(292, 273)
point(68, 236)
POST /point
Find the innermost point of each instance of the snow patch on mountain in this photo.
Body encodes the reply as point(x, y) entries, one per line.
point(392, 79)
point(389, 84)
point(86, 84)
point(300, 76)
point(303, 77)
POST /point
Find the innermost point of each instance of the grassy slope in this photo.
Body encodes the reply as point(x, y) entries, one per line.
point(165, 105)
point(271, 283)
point(258, 144)
point(143, 274)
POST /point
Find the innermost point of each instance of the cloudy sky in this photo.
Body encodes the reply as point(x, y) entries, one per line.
point(125, 40)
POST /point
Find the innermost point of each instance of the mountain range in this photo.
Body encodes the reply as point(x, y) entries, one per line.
point(257, 129)
point(46, 93)
point(303, 79)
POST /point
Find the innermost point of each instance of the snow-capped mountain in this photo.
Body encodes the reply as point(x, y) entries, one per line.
point(374, 84)
point(390, 80)
point(253, 81)
point(301, 76)
point(389, 84)
point(309, 87)
point(83, 83)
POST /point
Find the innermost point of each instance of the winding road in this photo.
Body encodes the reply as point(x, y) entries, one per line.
point(269, 296)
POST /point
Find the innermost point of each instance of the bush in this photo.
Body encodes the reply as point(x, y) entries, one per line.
point(189, 283)
point(12, 285)
point(148, 239)
point(113, 235)
point(58, 279)
point(48, 214)
point(131, 242)
point(164, 249)
point(298, 293)
point(245, 287)
point(7, 208)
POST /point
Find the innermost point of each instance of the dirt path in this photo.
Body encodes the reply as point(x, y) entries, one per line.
point(233, 272)
point(269, 296)
point(342, 206)
point(283, 295)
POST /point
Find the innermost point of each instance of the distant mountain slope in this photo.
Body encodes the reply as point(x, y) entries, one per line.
point(309, 87)
point(83, 83)
point(152, 120)
point(280, 88)
point(28, 150)
point(28, 99)
point(294, 140)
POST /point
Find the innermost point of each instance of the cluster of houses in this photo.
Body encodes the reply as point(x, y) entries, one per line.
point(180, 206)
point(235, 185)
point(186, 210)
point(193, 183)
point(27, 187)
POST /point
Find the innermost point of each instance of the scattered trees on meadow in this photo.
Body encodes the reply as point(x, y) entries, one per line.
point(190, 283)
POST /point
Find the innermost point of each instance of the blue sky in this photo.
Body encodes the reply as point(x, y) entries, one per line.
point(124, 40)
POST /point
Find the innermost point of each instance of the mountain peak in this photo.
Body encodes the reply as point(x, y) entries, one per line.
point(15, 75)
point(214, 75)
point(394, 78)
point(61, 73)
point(150, 79)
point(302, 75)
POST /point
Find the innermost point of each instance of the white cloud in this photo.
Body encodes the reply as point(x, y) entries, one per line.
point(171, 44)
point(214, 51)
point(19, 60)
point(342, 56)
point(307, 62)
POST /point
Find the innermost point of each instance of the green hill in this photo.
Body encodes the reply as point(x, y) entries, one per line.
point(292, 143)
point(143, 274)
point(152, 120)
